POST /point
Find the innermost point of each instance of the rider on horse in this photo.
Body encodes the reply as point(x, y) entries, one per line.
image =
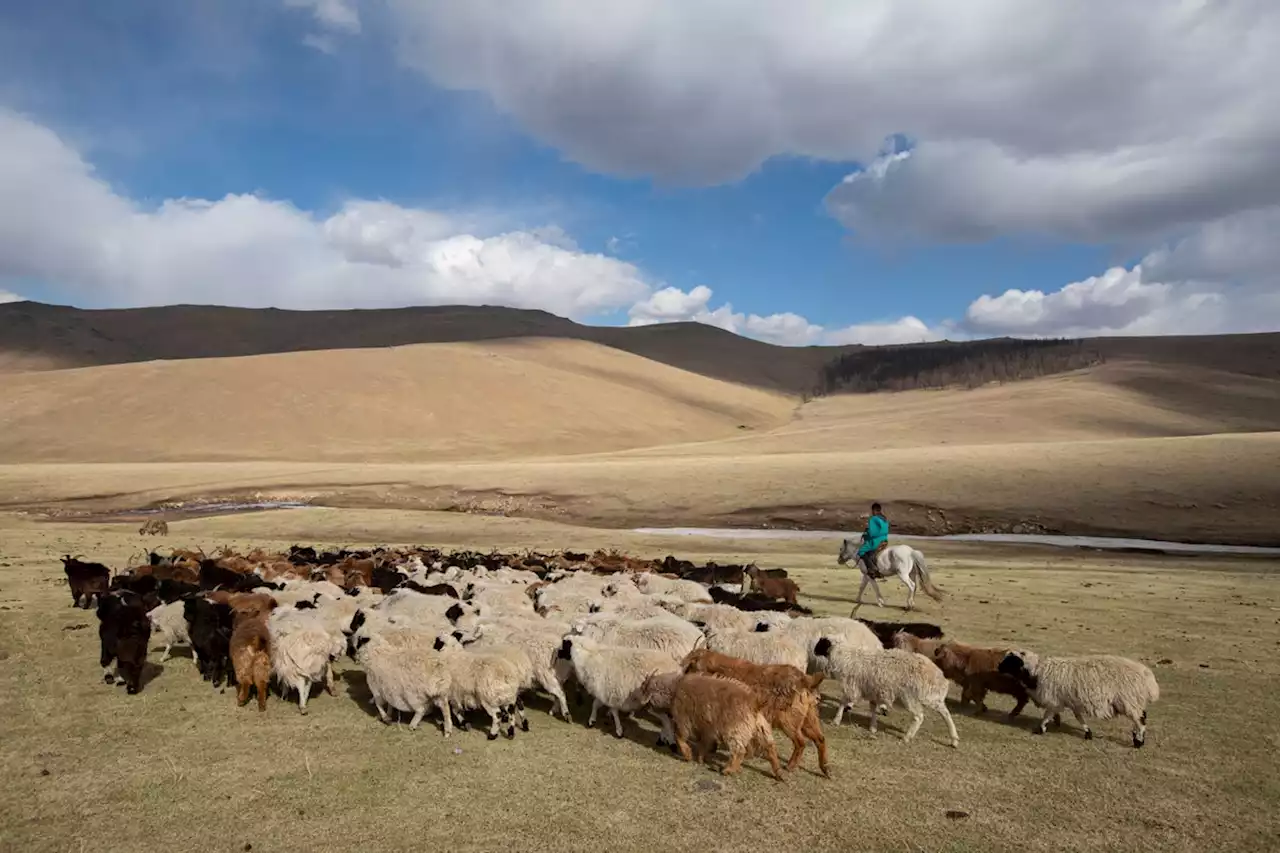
point(876, 534)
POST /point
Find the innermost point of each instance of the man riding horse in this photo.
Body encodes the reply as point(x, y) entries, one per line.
point(873, 538)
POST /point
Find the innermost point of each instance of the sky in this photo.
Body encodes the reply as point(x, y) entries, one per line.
point(802, 172)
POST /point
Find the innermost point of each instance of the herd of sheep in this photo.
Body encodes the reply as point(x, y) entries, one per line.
point(720, 656)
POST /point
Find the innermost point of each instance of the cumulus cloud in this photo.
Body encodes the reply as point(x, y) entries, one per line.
point(62, 224)
point(1075, 119)
point(671, 305)
point(6, 296)
point(1218, 278)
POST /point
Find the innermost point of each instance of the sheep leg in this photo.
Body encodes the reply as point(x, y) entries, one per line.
point(617, 723)
point(1088, 732)
point(813, 731)
point(735, 762)
point(195, 657)
point(874, 717)
point(164, 656)
point(507, 716)
point(1017, 709)
point(668, 736)
point(419, 712)
point(328, 678)
point(304, 692)
point(493, 721)
point(519, 715)
point(771, 753)
point(595, 708)
point(443, 706)
point(548, 682)
point(261, 686)
point(917, 717)
point(382, 710)
point(1050, 713)
point(941, 708)
point(242, 692)
point(797, 748)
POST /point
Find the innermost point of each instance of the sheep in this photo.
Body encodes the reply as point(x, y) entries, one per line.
point(886, 630)
point(250, 649)
point(1090, 686)
point(88, 581)
point(883, 677)
point(806, 631)
point(757, 647)
point(667, 634)
point(711, 708)
point(612, 675)
point(912, 643)
point(788, 698)
point(402, 671)
point(540, 644)
point(776, 588)
point(651, 584)
point(976, 670)
point(124, 633)
point(210, 625)
point(169, 623)
point(490, 679)
point(303, 647)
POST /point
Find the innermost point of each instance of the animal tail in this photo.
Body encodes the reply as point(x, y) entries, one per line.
point(922, 572)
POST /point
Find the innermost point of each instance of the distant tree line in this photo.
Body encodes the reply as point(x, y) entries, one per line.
point(963, 364)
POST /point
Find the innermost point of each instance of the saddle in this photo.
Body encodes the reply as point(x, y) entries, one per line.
point(871, 556)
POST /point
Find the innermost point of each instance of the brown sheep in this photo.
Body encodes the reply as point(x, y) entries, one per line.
point(711, 708)
point(251, 656)
point(778, 588)
point(912, 643)
point(789, 698)
point(247, 603)
point(976, 670)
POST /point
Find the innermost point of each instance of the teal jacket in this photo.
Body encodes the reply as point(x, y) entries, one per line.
point(877, 533)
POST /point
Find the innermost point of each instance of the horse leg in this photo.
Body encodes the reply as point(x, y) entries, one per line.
point(911, 587)
point(857, 602)
point(876, 587)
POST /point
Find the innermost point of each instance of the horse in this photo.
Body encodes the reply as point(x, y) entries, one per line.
point(901, 560)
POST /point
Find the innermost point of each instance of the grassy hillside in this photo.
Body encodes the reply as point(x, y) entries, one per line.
point(423, 402)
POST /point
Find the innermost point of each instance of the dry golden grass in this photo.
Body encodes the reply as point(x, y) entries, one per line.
point(179, 767)
point(500, 399)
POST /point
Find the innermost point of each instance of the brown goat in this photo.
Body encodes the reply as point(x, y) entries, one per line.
point(777, 588)
point(251, 656)
point(710, 708)
point(788, 698)
point(976, 670)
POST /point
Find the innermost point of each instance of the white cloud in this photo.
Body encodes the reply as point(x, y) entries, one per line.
point(332, 15)
point(61, 224)
point(671, 305)
point(1074, 119)
point(1222, 277)
point(6, 296)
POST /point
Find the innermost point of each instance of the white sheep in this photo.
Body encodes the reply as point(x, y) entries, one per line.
point(403, 671)
point(169, 625)
point(762, 648)
point(613, 675)
point(1090, 686)
point(882, 677)
point(540, 645)
point(652, 584)
point(303, 647)
point(666, 633)
point(806, 631)
point(490, 679)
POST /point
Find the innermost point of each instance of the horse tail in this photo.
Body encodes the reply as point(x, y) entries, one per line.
point(922, 572)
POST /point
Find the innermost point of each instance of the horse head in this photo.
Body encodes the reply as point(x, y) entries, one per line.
point(848, 551)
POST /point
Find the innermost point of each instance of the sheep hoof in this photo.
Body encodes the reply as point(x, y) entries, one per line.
point(1138, 741)
point(1088, 734)
point(674, 749)
point(524, 725)
point(492, 735)
point(131, 690)
point(108, 679)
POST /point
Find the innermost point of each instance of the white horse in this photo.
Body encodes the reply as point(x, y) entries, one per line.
point(901, 560)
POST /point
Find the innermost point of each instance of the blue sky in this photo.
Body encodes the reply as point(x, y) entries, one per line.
point(653, 176)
